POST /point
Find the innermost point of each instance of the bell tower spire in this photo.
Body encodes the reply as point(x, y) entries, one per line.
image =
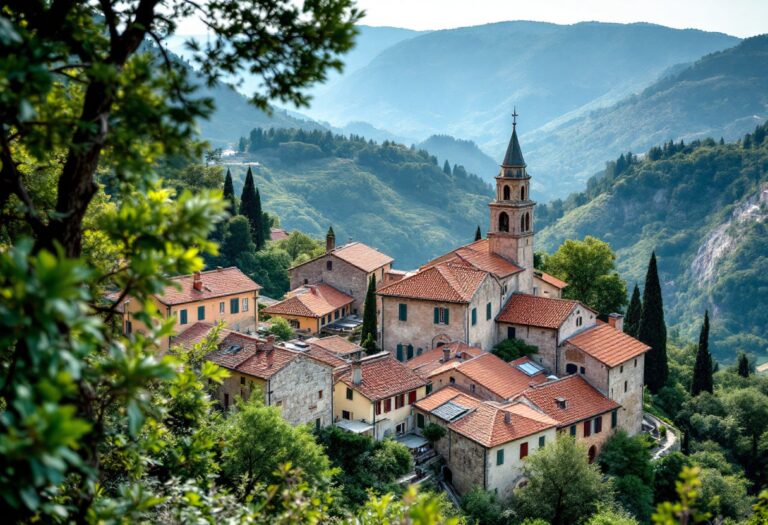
point(510, 232)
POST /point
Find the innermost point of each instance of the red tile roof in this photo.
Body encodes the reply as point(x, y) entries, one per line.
point(479, 256)
point(582, 400)
point(449, 282)
point(383, 377)
point(358, 255)
point(499, 377)
point(326, 356)
point(550, 279)
point(196, 333)
point(335, 344)
point(313, 300)
point(277, 234)
point(608, 345)
point(448, 393)
point(533, 310)
point(487, 424)
point(430, 361)
point(216, 283)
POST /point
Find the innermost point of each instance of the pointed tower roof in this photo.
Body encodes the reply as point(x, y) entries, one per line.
point(514, 155)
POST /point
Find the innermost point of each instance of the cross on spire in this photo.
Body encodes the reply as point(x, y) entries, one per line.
point(514, 117)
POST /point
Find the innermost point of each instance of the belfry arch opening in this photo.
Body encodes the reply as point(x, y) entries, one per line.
point(522, 223)
point(503, 222)
point(527, 222)
point(506, 193)
point(522, 193)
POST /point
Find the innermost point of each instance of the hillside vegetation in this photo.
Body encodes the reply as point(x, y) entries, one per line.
point(466, 152)
point(392, 197)
point(724, 94)
point(703, 207)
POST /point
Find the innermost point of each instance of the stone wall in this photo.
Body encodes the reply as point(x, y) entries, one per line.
point(467, 462)
point(297, 390)
point(595, 372)
point(543, 338)
point(420, 329)
point(236, 386)
point(631, 401)
point(483, 333)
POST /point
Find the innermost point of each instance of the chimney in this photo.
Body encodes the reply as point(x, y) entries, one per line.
point(197, 282)
point(446, 354)
point(357, 372)
point(270, 344)
point(330, 240)
point(616, 321)
point(507, 418)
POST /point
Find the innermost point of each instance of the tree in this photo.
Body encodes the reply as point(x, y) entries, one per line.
point(250, 208)
point(589, 268)
point(749, 406)
point(482, 507)
point(433, 432)
point(702, 370)
point(743, 365)
point(417, 508)
point(370, 328)
point(628, 461)
point(634, 311)
point(281, 329)
point(686, 510)
point(297, 244)
point(666, 472)
point(229, 194)
point(562, 487)
point(478, 234)
point(608, 515)
point(511, 349)
point(237, 242)
point(653, 331)
point(447, 167)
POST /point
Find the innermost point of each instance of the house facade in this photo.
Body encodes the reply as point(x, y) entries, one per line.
point(311, 307)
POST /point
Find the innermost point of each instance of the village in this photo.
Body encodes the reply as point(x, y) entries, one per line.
point(431, 365)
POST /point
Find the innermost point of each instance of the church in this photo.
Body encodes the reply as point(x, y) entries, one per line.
point(487, 291)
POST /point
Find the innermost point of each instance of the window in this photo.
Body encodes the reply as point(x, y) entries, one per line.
point(378, 407)
point(411, 397)
point(500, 457)
point(317, 424)
point(128, 328)
point(625, 386)
point(503, 222)
point(442, 315)
point(345, 414)
point(183, 316)
point(222, 308)
point(420, 420)
point(621, 369)
point(522, 193)
point(570, 368)
point(474, 316)
point(523, 449)
point(306, 281)
point(527, 222)
point(511, 332)
point(587, 428)
point(242, 380)
point(201, 313)
point(452, 380)
point(582, 370)
point(387, 405)
point(472, 388)
point(419, 351)
point(429, 388)
point(399, 401)
point(488, 312)
point(350, 395)
point(319, 394)
point(573, 430)
point(336, 315)
point(579, 321)
point(506, 193)
point(614, 418)
point(234, 306)
point(598, 424)
point(409, 352)
point(542, 441)
point(245, 304)
point(402, 312)
point(522, 223)
point(400, 352)
point(329, 265)
point(635, 362)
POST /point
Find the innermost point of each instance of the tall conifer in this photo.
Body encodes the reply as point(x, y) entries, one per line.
point(229, 194)
point(634, 311)
point(250, 208)
point(478, 233)
point(446, 168)
point(743, 368)
point(370, 327)
point(702, 370)
point(653, 330)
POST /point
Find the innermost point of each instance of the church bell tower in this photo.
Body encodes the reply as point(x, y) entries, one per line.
point(510, 233)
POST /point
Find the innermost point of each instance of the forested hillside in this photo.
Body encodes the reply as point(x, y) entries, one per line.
point(466, 152)
point(724, 94)
point(392, 197)
point(703, 207)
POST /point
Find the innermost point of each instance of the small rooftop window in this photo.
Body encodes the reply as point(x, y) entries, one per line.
point(561, 402)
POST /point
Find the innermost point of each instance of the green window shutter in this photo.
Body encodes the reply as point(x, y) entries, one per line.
point(573, 430)
point(399, 352)
point(403, 312)
point(446, 315)
point(234, 306)
point(183, 316)
point(614, 418)
point(201, 313)
point(488, 311)
point(500, 457)
point(420, 420)
point(437, 315)
point(474, 316)
point(410, 351)
point(429, 388)
point(542, 441)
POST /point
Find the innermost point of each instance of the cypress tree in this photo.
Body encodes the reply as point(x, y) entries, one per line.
point(369, 313)
point(478, 233)
point(446, 168)
point(229, 194)
point(743, 365)
point(634, 311)
point(702, 370)
point(250, 208)
point(653, 331)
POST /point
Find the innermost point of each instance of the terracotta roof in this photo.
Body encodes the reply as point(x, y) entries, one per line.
point(582, 400)
point(313, 300)
point(550, 279)
point(383, 377)
point(449, 282)
point(486, 424)
point(431, 360)
point(608, 345)
point(216, 283)
point(499, 377)
point(335, 344)
point(277, 234)
point(479, 256)
point(533, 310)
point(448, 393)
point(358, 255)
point(196, 333)
point(325, 356)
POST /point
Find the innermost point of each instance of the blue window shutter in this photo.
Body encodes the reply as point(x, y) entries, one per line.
point(474, 316)
point(234, 306)
point(446, 315)
point(399, 352)
point(487, 311)
point(410, 351)
point(437, 315)
point(183, 316)
point(403, 312)
point(201, 313)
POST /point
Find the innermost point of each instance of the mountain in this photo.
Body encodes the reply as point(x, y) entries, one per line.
point(464, 152)
point(464, 82)
point(704, 208)
point(725, 94)
point(392, 197)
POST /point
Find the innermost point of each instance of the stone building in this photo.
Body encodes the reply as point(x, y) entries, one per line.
point(547, 285)
point(224, 294)
point(375, 396)
point(311, 307)
point(299, 383)
point(433, 362)
point(347, 268)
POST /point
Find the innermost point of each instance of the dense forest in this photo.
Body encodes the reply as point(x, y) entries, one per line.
point(702, 206)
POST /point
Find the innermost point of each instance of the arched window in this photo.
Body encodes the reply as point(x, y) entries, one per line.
point(527, 222)
point(506, 193)
point(522, 193)
point(329, 265)
point(503, 222)
point(570, 368)
point(522, 223)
